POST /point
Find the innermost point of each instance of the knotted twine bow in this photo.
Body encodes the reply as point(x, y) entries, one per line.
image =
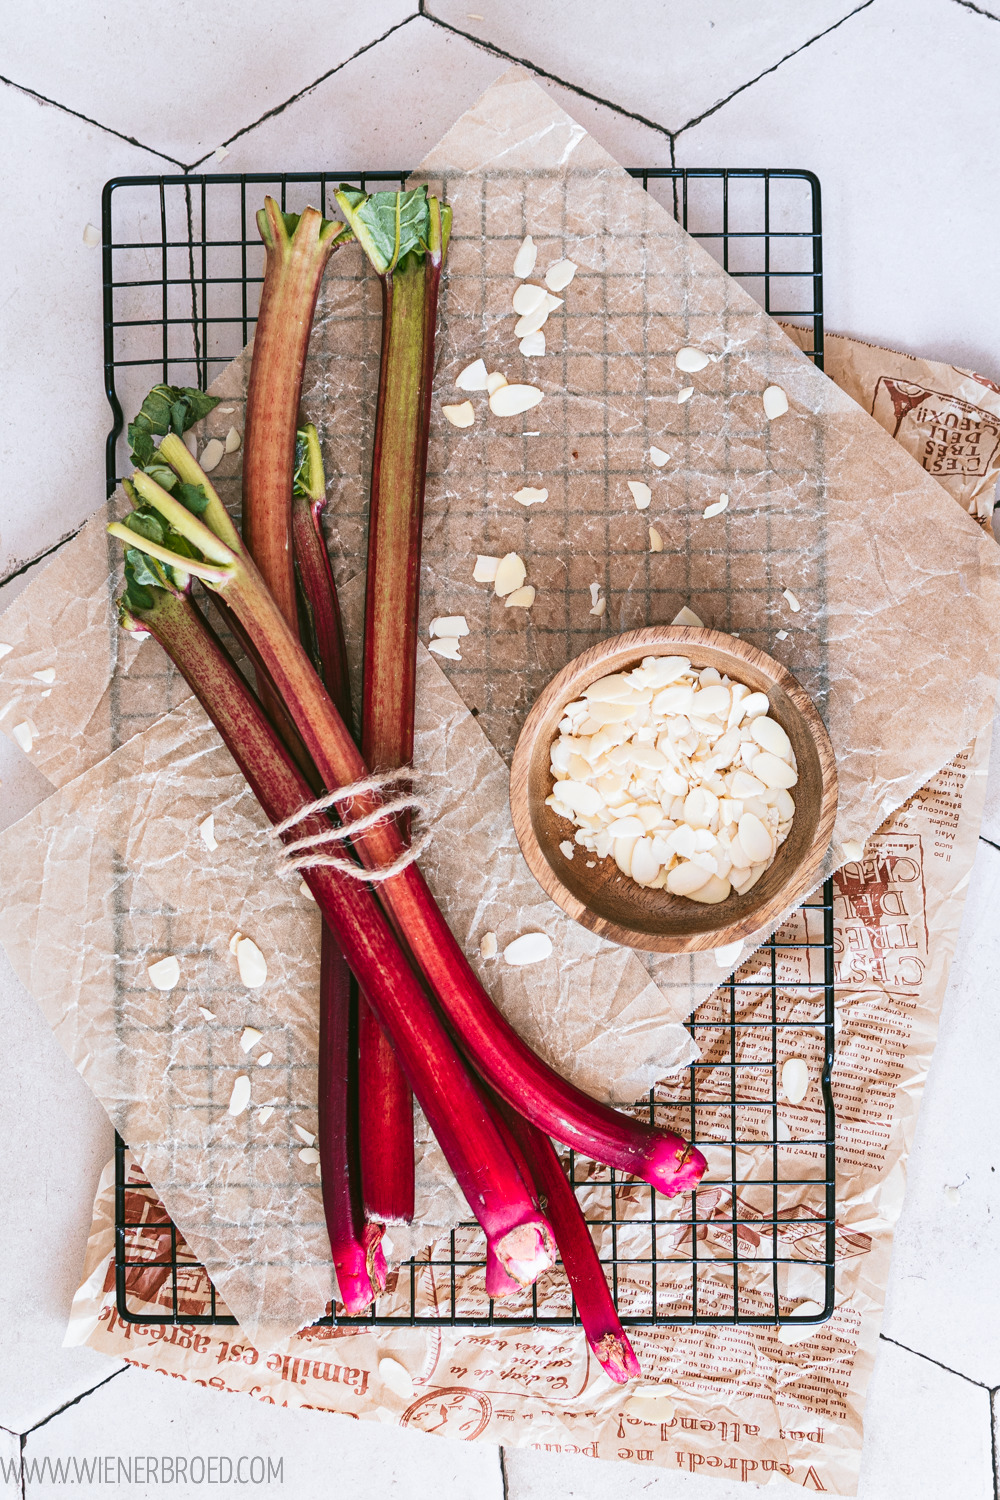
point(302, 854)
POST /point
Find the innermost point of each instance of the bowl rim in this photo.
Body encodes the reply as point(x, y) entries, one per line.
point(560, 689)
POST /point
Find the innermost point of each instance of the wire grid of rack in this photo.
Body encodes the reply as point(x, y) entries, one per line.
point(183, 266)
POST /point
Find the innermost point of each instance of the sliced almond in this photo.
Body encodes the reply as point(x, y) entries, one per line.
point(91, 236)
point(685, 394)
point(265, 1059)
point(852, 849)
point(485, 570)
point(510, 575)
point(305, 891)
point(212, 454)
point(774, 773)
point(495, 382)
point(511, 400)
point(473, 377)
point(532, 322)
point(687, 616)
point(790, 1334)
point(208, 1014)
point(559, 275)
point(240, 1097)
point(655, 540)
point(530, 496)
point(600, 607)
point(728, 954)
point(234, 940)
point(595, 592)
point(488, 945)
point(206, 829)
point(522, 598)
point(165, 973)
point(191, 443)
point(529, 948)
point(309, 1155)
point(397, 1377)
point(447, 646)
point(233, 440)
point(250, 1037)
point(770, 736)
point(5, 650)
point(755, 838)
point(251, 962)
point(717, 507)
point(775, 402)
point(793, 603)
point(658, 1408)
point(781, 635)
point(532, 344)
point(304, 1135)
point(21, 734)
point(462, 415)
point(527, 298)
point(715, 889)
point(795, 1079)
point(46, 675)
point(641, 494)
point(566, 849)
point(524, 260)
point(684, 879)
point(658, 458)
point(449, 625)
point(265, 1113)
point(691, 360)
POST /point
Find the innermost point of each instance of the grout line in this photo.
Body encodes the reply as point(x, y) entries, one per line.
point(22, 1444)
point(978, 10)
point(993, 1446)
point(129, 139)
point(984, 840)
point(774, 67)
point(502, 1451)
point(22, 568)
point(629, 114)
point(932, 1361)
point(75, 1401)
point(301, 93)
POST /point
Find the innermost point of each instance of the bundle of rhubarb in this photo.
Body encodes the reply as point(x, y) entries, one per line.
point(402, 1013)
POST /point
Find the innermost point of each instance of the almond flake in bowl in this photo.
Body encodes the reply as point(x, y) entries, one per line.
point(694, 772)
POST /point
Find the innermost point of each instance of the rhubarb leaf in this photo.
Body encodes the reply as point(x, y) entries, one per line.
point(387, 225)
point(140, 570)
point(192, 496)
point(167, 408)
point(148, 524)
point(136, 594)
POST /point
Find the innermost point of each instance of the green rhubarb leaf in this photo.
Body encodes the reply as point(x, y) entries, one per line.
point(162, 473)
point(137, 595)
point(388, 225)
point(199, 404)
point(140, 569)
point(146, 523)
point(192, 496)
point(167, 408)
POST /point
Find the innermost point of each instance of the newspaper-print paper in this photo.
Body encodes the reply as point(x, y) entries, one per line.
point(737, 1403)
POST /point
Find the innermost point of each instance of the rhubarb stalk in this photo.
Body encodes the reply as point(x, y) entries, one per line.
point(660, 1157)
point(460, 1118)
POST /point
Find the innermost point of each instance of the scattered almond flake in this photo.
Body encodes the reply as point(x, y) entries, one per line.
point(473, 377)
point(309, 1155)
point(234, 940)
point(485, 570)
point(793, 603)
point(240, 1097)
point(641, 494)
point(446, 646)
point(319, 1171)
point(397, 1377)
point(691, 360)
point(791, 1333)
point(852, 849)
point(511, 400)
point(775, 402)
point(208, 1014)
point(165, 973)
point(524, 260)
point(952, 1195)
point(304, 1135)
point(567, 849)
point(47, 693)
point(233, 440)
point(685, 394)
point(660, 1409)
point(91, 236)
point(531, 322)
point(46, 675)
point(530, 948)
point(655, 540)
point(510, 575)
point(462, 415)
point(795, 1080)
point(530, 496)
point(658, 457)
point(5, 650)
point(220, 153)
point(687, 616)
point(305, 891)
point(21, 734)
point(527, 298)
point(726, 956)
point(207, 830)
point(265, 1059)
point(191, 443)
point(252, 963)
point(449, 625)
point(265, 1113)
point(717, 507)
point(211, 455)
point(251, 1036)
point(522, 598)
point(488, 945)
point(552, 303)
point(599, 608)
point(559, 275)
point(533, 344)
point(495, 382)
point(531, 434)
point(782, 635)
point(226, 411)
point(595, 592)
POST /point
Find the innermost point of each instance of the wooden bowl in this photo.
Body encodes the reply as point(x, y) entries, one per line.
point(606, 901)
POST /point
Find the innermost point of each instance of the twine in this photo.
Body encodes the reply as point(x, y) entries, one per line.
point(302, 853)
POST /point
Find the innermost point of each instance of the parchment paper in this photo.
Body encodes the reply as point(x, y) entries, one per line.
point(896, 640)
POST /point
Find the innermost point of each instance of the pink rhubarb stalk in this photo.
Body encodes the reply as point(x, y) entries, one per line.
point(460, 1118)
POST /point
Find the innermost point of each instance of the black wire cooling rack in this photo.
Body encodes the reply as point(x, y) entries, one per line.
point(183, 266)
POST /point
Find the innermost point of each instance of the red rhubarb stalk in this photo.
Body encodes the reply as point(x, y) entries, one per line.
point(660, 1157)
point(460, 1118)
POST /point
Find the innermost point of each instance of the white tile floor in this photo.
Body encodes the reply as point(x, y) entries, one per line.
point(894, 104)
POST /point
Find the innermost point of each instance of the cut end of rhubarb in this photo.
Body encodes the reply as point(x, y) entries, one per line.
point(616, 1357)
point(673, 1166)
point(361, 1271)
point(525, 1251)
point(498, 1284)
